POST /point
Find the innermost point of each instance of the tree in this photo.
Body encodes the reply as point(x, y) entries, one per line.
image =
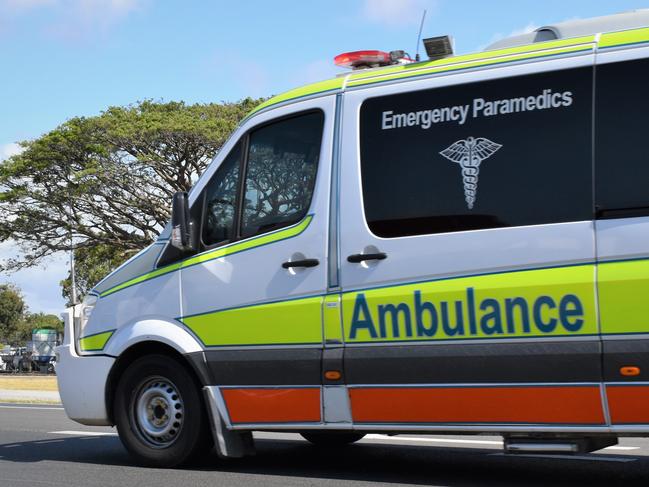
point(104, 184)
point(32, 321)
point(91, 265)
point(12, 309)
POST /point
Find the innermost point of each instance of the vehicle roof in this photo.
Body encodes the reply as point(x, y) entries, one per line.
point(530, 52)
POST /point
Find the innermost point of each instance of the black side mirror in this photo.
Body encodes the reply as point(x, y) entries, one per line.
point(181, 224)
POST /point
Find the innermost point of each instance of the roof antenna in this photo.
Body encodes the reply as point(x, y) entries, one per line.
point(421, 27)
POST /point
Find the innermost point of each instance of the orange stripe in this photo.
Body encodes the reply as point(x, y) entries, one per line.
point(574, 405)
point(628, 404)
point(273, 405)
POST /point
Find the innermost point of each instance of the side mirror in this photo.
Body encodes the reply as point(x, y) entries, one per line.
point(181, 224)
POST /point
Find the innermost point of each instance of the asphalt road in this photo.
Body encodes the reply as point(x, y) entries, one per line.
point(39, 446)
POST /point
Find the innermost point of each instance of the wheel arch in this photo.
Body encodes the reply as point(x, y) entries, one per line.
point(153, 337)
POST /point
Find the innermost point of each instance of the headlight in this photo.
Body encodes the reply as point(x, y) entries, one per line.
point(87, 306)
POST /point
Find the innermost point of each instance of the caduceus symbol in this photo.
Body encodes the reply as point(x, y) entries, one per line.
point(469, 153)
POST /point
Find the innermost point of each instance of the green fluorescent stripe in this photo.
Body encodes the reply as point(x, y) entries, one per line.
point(621, 38)
point(481, 58)
point(415, 311)
point(622, 290)
point(142, 278)
point(542, 49)
point(249, 244)
point(311, 89)
point(215, 254)
point(443, 65)
point(467, 65)
point(96, 342)
point(297, 321)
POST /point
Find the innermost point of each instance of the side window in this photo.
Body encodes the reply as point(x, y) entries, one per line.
point(280, 175)
point(499, 153)
point(621, 156)
point(221, 200)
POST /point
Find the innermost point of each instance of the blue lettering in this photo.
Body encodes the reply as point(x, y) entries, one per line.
point(570, 307)
point(469, 316)
point(491, 322)
point(510, 303)
point(394, 311)
point(538, 318)
point(470, 301)
point(420, 308)
point(360, 306)
point(458, 329)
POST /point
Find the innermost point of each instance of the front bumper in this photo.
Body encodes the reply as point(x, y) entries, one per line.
point(82, 380)
point(82, 385)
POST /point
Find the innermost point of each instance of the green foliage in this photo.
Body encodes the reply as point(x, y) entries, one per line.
point(91, 265)
point(105, 183)
point(12, 310)
point(32, 321)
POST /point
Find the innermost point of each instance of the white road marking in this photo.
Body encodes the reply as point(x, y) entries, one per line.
point(31, 407)
point(82, 433)
point(622, 448)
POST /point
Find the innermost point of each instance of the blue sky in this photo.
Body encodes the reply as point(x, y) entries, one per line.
point(62, 58)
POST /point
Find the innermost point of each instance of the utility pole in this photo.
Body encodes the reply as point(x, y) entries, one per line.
point(73, 296)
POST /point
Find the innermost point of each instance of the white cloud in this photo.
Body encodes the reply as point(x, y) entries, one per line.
point(101, 13)
point(526, 29)
point(530, 27)
point(39, 285)
point(8, 150)
point(72, 19)
point(398, 13)
point(316, 71)
point(232, 68)
point(18, 6)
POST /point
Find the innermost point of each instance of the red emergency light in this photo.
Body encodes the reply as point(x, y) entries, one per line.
point(363, 59)
point(371, 59)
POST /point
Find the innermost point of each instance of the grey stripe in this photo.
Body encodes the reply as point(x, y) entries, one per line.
point(622, 353)
point(276, 367)
point(530, 362)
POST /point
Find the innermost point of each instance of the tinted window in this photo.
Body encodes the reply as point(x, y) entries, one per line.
point(515, 151)
point(621, 126)
point(281, 170)
point(220, 200)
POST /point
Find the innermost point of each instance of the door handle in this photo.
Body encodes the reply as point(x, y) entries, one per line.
point(358, 258)
point(301, 263)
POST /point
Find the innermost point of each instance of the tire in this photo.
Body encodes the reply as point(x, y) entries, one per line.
point(160, 414)
point(331, 439)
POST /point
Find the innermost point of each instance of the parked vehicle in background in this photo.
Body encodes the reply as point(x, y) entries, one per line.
point(453, 246)
point(5, 353)
point(42, 347)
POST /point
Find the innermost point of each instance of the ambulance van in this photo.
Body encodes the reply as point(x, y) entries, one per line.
point(453, 246)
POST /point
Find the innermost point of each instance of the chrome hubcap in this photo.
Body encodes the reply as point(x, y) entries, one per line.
point(159, 412)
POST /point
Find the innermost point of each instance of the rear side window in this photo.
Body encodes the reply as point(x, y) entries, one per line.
point(501, 153)
point(621, 129)
point(280, 173)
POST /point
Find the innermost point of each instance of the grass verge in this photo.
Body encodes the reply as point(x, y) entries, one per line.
point(27, 383)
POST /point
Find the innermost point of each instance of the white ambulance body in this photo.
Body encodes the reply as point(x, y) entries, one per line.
point(454, 246)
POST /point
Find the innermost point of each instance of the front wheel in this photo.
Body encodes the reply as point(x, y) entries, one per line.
point(330, 438)
point(160, 416)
